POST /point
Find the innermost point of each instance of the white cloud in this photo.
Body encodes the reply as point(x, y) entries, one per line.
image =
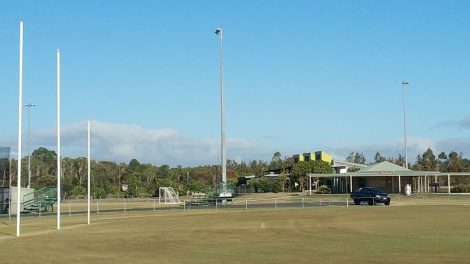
point(122, 142)
point(416, 145)
point(462, 123)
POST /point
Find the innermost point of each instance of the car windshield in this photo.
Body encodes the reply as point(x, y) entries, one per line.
point(369, 190)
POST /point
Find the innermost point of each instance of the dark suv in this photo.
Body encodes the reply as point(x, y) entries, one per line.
point(371, 195)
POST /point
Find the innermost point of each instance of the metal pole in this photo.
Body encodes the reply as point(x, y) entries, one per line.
point(9, 191)
point(89, 172)
point(275, 203)
point(246, 205)
point(29, 155)
point(404, 123)
point(20, 111)
point(219, 33)
point(58, 140)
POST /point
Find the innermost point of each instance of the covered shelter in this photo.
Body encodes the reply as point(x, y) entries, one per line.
point(389, 177)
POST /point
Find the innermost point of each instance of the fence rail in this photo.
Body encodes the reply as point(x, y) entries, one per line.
point(124, 205)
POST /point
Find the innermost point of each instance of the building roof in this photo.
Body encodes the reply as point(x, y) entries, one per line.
point(342, 163)
point(383, 167)
point(386, 169)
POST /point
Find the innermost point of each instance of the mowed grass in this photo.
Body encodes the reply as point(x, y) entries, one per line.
point(358, 234)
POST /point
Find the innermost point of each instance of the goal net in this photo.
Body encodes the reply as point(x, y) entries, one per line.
point(167, 195)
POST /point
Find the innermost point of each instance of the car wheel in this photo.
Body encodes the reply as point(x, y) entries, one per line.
point(357, 202)
point(387, 203)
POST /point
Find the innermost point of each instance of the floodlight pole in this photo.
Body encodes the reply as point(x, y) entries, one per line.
point(9, 189)
point(29, 155)
point(404, 123)
point(89, 170)
point(20, 120)
point(219, 33)
point(58, 140)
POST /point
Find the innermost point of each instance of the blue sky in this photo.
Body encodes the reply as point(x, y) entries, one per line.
point(300, 76)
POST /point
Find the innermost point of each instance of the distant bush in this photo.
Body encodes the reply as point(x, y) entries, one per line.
point(265, 185)
point(78, 191)
point(461, 188)
point(323, 189)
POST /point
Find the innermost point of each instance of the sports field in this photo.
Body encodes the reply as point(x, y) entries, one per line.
point(355, 234)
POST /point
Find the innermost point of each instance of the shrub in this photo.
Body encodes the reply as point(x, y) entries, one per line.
point(78, 191)
point(323, 189)
point(264, 185)
point(461, 188)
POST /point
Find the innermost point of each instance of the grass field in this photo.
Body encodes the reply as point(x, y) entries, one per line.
point(358, 234)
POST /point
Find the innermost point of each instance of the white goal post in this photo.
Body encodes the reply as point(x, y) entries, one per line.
point(167, 195)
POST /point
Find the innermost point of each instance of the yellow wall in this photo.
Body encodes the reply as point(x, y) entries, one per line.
point(300, 157)
point(323, 156)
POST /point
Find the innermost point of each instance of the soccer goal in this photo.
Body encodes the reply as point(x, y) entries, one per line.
point(167, 195)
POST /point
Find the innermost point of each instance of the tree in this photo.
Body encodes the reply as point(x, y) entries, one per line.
point(134, 165)
point(400, 160)
point(301, 169)
point(441, 162)
point(44, 155)
point(378, 158)
point(276, 161)
point(356, 157)
point(454, 162)
point(426, 162)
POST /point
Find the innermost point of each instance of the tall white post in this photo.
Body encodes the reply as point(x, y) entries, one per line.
point(219, 32)
point(58, 140)
point(89, 171)
point(20, 121)
point(404, 123)
point(9, 191)
point(29, 139)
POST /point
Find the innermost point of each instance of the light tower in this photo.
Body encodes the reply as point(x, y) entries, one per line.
point(404, 123)
point(219, 33)
point(29, 139)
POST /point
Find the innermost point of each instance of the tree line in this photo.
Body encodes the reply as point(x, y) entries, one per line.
point(144, 179)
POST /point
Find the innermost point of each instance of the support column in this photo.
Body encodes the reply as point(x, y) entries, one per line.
point(419, 184)
point(448, 183)
point(399, 184)
point(310, 184)
point(350, 184)
point(426, 185)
